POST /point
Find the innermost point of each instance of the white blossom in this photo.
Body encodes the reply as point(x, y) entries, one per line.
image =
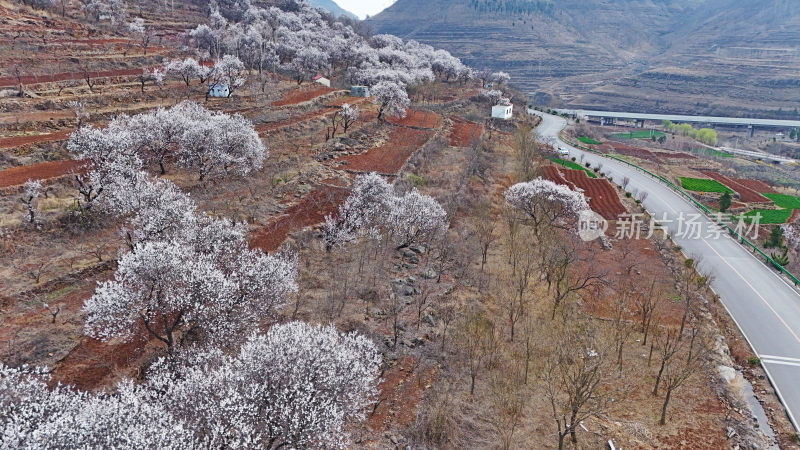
point(546, 202)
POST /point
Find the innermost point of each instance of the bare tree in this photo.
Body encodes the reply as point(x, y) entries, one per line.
point(526, 152)
point(574, 377)
point(478, 344)
point(507, 399)
point(566, 272)
point(668, 346)
point(484, 224)
point(680, 370)
point(87, 76)
point(646, 301)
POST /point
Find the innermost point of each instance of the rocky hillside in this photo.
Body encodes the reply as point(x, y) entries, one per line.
point(690, 56)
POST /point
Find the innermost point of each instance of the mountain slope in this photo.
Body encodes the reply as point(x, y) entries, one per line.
point(332, 7)
point(658, 55)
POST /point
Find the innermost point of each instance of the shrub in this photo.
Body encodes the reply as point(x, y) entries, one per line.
point(753, 361)
point(588, 164)
point(417, 180)
point(628, 194)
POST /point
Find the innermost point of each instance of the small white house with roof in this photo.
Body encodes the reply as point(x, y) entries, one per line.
point(322, 80)
point(503, 111)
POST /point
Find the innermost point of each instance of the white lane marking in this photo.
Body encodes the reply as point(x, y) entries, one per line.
point(782, 363)
point(725, 260)
point(780, 357)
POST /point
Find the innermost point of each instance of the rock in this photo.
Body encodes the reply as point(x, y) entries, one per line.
point(429, 274)
point(429, 320)
point(726, 373)
point(416, 342)
point(731, 432)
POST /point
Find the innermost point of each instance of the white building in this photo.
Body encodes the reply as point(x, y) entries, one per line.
point(218, 90)
point(322, 80)
point(504, 112)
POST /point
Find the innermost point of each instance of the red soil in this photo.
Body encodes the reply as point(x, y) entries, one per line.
point(311, 210)
point(92, 362)
point(417, 119)
point(634, 151)
point(674, 155)
point(390, 157)
point(300, 96)
point(746, 194)
point(464, 132)
point(756, 185)
point(603, 198)
point(553, 174)
point(16, 141)
point(402, 388)
point(40, 171)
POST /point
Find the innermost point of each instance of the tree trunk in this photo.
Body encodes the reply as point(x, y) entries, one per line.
point(664, 408)
point(658, 377)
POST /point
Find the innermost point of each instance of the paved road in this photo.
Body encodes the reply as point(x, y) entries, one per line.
point(766, 308)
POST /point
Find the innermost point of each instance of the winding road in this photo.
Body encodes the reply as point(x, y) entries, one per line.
point(764, 306)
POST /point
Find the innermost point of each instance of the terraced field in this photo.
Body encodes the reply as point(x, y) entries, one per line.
point(704, 185)
point(603, 197)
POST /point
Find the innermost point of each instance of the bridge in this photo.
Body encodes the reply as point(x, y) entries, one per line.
point(611, 117)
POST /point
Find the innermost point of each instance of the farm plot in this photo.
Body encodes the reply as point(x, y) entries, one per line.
point(40, 171)
point(553, 174)
point(603, 198)
point(311, 210)
point(464, 132)
point(704, 185)
point(770, 216)
point(389, 157)
point(674, 155)
point(648, 134)
point(711, 153)
point(746, 194)
point(417, 119)
point(635, 152)
point(572, 165)
point(299, 96)
point(16, 141)
point(784, 201)
point(756, 185)
point(589, 141)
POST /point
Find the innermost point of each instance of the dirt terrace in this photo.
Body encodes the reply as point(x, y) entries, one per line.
point(40, 171)
point(746, 194)
point(301, 96)
point(603, 198)
point(464, 132)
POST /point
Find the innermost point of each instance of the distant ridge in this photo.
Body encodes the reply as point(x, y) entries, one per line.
point(332, 7)
point(706, 57)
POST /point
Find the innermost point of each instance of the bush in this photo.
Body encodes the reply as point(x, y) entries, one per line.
point(754, 361)
point(596, 170)
point(573, 158)
point(588, 164)
point(417, 180)
point(628, 194)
